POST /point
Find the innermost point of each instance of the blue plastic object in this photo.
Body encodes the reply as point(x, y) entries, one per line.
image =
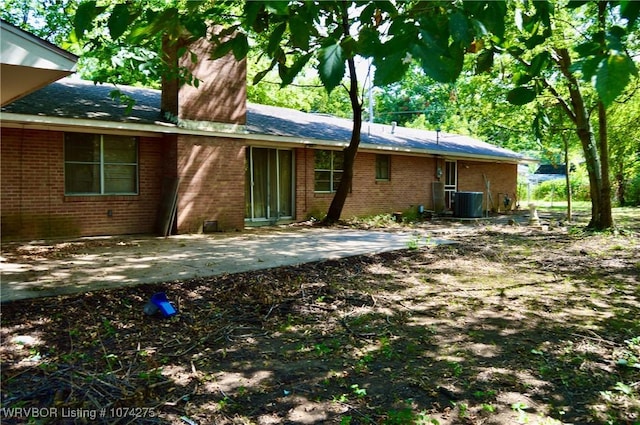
point(161, 301)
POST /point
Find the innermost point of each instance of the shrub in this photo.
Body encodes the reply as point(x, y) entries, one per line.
point(557, 190)
point(632, 194)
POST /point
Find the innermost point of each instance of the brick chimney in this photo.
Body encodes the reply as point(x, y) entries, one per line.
point(221, 95)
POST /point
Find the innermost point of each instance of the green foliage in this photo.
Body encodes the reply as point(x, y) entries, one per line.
point(633, 191)
point(331, 66)
point(47, 19)
point(624, 141)
point(600, 56)
point(556, 190)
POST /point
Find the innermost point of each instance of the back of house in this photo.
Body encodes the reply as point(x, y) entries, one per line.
point(76, 163)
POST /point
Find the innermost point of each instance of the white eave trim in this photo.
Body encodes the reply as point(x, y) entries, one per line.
point(19, 47)
point(157, 129)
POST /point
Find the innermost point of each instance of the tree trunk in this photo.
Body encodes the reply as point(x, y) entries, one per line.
point(339, 199)
point(606, 216)
point(621, 193)
point(599, 191)
point(567, 171)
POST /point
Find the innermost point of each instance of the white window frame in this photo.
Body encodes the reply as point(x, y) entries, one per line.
point(450, 182)
point(332, 184)
point(102, 165)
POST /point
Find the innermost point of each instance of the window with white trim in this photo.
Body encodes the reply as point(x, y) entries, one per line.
point(329, 166)
point(100, 164)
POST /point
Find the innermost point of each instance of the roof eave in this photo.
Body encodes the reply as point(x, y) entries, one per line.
point(158, 129)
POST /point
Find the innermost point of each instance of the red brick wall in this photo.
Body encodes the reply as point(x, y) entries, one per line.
point(409, 185)
point(502, 180)
point(32, 191)
point(212, 175)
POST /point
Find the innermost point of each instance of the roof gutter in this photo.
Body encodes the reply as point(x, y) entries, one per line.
point(157, 129)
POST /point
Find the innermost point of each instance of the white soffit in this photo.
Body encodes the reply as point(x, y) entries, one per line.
point(29, 63)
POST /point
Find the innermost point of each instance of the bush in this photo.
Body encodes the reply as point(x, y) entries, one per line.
point(632, 194)
point(557, 190)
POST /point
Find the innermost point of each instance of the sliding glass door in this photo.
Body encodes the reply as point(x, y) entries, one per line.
point(269, 184)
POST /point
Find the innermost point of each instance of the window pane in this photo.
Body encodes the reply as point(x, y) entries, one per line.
point(81, 147)
point(120, 149)
point(285, 190)
point(82, 178)
point(323, 160)
point(338, 160)
point(120, 179)
point(382, 167)
point(337, 177)
point(450, 173)
point(322, 181)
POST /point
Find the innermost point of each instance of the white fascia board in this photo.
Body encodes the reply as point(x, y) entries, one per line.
point(157, 129)
point(18, 47)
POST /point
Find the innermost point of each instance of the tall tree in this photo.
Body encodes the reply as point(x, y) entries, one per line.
point(568, 55)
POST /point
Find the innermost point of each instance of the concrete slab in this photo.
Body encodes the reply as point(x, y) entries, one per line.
point(134, 260)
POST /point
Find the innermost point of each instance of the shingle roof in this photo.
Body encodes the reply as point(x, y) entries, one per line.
point(72, 98)
point(278, 121)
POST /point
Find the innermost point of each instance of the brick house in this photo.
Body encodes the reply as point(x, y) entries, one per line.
point(184, 160)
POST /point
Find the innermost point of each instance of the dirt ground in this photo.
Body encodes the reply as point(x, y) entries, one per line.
point(509, 325)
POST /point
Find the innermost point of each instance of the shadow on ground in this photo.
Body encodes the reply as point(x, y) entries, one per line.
point(508, 326)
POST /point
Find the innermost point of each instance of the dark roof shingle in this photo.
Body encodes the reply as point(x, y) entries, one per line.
point(73, 98)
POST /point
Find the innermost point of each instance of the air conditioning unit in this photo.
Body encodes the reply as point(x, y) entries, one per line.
point(467, 204)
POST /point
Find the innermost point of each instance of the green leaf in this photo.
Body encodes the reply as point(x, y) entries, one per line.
point(275, 39)
point(484, 61)
point(515, 51)
point(589, 67)
point(119, 20)
point(624, 388)
point(251, 11)
point(573, 4)
point(444, 66)
point(277, 7)
point(613, 75)
point(459, 28)
point(587, 49)
point(83, 19)
point(349, 47)
point(630, 9)
point(287, 75)
point(521, 95)
point(331, 65)
point(369, 42)
point(539, 62)
point(534, 40)
point(222, 49)
point(197, 27)
point(299, 32)
point(260, 75)
point(389, 69)
point(240, 46)
point(495, 17)
point(521, 78)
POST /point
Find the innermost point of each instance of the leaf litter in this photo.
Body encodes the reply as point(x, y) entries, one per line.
point(508, 325)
